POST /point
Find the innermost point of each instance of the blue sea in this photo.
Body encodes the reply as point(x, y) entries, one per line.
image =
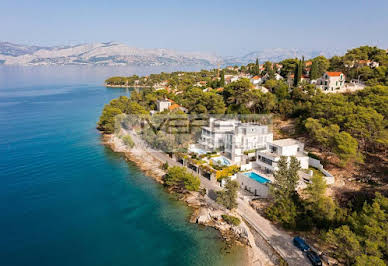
point(65, 199)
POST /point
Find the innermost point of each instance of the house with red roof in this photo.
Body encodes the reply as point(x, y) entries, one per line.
point(173, 106)
point(170, 105)
point(256, 80)
point(331, 82)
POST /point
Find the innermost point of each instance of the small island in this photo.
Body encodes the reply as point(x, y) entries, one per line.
point(288, 148)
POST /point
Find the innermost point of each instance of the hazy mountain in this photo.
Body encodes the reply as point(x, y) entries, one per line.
point(10, 49)
point(120, 54)
point(99, 54)
point(279, 54)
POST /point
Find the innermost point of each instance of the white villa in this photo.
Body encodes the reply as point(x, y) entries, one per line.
point(213, 136)
point(163, 105)
point(234, 137)
point(267, 158)
point(331, 82)
point(236, 141)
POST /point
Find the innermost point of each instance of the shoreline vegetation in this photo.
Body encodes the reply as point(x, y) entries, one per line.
point(125, 86)
point(231, 226)
point(347, 131)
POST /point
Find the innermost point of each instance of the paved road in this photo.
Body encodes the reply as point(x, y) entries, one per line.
point(281, 241)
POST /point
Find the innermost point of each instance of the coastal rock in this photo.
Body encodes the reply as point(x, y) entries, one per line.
point(203, 216)
point(216, 214)
point(193, 199)
point(242, 232)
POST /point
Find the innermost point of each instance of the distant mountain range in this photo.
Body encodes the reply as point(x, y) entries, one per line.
point(116, 54)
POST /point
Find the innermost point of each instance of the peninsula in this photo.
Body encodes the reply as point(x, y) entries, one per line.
point(286, 148)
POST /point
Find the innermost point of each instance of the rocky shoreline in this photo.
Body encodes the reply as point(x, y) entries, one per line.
point(125, 86)
point(204, 212)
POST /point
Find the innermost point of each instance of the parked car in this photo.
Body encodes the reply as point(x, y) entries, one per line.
point(314, 258)
point(301, 244)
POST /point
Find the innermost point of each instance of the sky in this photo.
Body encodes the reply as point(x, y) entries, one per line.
point(221, 27)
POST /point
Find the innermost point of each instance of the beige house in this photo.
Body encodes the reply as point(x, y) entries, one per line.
point(331, 82)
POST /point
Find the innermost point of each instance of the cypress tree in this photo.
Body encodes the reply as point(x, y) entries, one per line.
point(314, 70)
point(222, 80)
point(297, 74)
point(257, 66)
point(300, 70)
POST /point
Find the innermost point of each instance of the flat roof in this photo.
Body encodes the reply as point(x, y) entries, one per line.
point(285, 142)
point(274, 155)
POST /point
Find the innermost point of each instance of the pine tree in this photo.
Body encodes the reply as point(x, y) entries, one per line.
point(283, 191)
point(228, 196)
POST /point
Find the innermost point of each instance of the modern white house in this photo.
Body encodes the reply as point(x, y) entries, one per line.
point(233, 137)
point(213, 136)
point(266, 159)
point(245, 137)
point(331, 82)
point(256, 176)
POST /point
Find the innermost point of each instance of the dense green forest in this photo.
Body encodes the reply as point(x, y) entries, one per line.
point(353, 234)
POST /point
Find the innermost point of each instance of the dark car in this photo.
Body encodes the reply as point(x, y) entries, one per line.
point(314, 258)
point(301, 244)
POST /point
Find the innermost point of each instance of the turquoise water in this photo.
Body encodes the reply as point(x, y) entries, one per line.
point(67, 200)
point(257, 177)
point(221, 160)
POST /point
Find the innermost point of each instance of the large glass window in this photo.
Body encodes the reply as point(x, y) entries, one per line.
point(265, 160)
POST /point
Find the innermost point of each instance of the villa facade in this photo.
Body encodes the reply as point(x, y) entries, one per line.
point(331, 82)
point(267, 159)
point(163, 105)
point(233, 137)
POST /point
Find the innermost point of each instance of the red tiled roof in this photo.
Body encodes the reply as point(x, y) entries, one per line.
point(333, 74)
point(174, 106)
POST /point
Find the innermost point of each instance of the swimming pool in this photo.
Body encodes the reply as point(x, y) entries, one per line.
point(221, 160)
point(197, 150)
point(257, 177)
